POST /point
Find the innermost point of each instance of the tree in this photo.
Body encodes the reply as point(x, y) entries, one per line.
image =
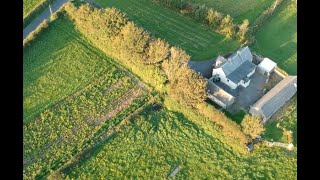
point(252, 126)
point(177, 59)
point(243, 31)
point(131, 42)
point(227, 27)
point(188, 87)
point(200, 13)
point(214, 18)
point(157, 51)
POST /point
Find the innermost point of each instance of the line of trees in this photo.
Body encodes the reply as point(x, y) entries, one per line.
point(161, 65)
point(219, 22)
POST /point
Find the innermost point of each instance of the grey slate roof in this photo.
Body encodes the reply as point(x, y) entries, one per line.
point(276, 97)
point(246, 53)
point(241, 72)
point(236, 61)
point(219, 93)
point(220, 61)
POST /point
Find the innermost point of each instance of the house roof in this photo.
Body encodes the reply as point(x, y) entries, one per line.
point(267, 65)
point(239, 65)
point(241, 72)
point(220, 61)
point(277, 96)
point(219, 93)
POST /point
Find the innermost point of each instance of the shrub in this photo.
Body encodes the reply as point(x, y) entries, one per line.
point(252, 126)
point(213, 18)
point(227, 27)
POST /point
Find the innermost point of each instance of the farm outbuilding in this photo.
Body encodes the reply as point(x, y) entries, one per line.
point(218, 95)
point(275, 98)
point(267, 66)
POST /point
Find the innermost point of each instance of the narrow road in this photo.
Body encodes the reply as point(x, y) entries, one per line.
point(44, 15)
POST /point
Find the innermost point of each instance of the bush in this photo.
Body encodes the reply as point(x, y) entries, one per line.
point(229, 127)
point(252, 126)
point(227, 27)
point(157, 52)
point(213, 18)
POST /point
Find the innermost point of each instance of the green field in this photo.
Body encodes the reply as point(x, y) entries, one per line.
point(154, 144)
point(87, 118)
point(70, 89)
point(277, 39)
point(54, 66)
point(286, 119)
point(30, 5)
point(239, 10)
point(195, 38)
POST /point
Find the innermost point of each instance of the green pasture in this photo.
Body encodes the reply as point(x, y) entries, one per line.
point(277, 39)
point(155, 143)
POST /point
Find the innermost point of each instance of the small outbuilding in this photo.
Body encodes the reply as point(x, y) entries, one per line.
point(267, 66)
point(275, 98)
point(218, 95)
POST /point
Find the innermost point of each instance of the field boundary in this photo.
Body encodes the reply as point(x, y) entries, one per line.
point(98, 141)
point(262, 19)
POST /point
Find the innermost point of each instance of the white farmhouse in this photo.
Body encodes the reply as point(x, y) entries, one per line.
point(236, 69)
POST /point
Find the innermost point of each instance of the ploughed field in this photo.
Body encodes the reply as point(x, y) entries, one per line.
point(239, 10)
point(195, 38)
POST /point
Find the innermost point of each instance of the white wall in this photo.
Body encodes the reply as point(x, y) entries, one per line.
point(242, 83)
point(231, 84)
point(214, 99)
point(250, 74)
point(223, 78)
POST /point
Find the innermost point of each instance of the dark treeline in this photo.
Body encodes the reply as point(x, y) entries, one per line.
point(218, 21)
point(162, 66)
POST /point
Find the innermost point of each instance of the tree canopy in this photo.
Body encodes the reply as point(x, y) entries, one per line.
point(252, 126)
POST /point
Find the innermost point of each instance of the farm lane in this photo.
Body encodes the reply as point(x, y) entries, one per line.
point(44, 15)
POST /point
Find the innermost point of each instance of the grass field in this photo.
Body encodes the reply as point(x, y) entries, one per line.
point(277, 39)
point(70, 89)
point(196, 38)
point(239, 10)
point(287, 118)
point(32, 8)
point(54, 66)
point(30, 5)
point(154, 144)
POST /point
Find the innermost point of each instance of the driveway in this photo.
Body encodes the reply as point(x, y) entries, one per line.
point(44, 15)
point(249, 95)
